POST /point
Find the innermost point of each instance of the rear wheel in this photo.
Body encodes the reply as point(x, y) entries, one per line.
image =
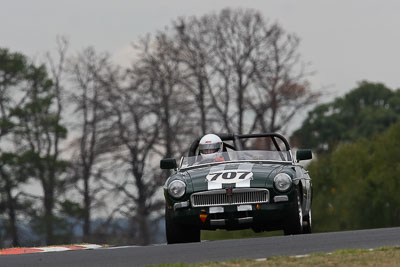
point(294, 221)
point(177, 233)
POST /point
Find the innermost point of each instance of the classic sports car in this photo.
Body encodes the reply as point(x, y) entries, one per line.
point(258, 185)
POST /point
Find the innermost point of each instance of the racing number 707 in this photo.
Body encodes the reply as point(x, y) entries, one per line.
point(229, 175)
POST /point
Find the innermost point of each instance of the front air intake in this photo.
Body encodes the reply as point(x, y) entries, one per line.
point(238, 196)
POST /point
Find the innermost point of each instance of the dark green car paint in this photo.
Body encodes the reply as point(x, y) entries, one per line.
point(269, 216)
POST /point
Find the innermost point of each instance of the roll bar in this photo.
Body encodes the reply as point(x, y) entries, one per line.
point(236, 141)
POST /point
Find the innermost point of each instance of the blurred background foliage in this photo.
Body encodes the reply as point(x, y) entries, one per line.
point(368, 109)
point(356, 185)
point(356, 140)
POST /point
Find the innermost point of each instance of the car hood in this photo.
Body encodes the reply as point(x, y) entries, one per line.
point(234, 175)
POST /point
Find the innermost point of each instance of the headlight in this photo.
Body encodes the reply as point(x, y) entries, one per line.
point(177, 188)
point(282, 182)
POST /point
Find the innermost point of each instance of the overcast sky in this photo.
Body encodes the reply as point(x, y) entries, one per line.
point(345, 41)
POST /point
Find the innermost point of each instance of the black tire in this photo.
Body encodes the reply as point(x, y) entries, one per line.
point(294, 221)
point(177, 233)
point(307, 223)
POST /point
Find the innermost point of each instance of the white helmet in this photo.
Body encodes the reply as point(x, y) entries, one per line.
point(210, 146)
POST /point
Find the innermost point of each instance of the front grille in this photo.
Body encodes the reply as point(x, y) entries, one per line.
point(238, 196)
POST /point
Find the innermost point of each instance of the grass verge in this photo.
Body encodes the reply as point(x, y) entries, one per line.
point(386, 256)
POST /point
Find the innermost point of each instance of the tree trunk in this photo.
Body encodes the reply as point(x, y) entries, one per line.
point(48, 216)
point(142, 213)
point(11, 214)
point(202, 107)
point(144, 235)
point(86, 215)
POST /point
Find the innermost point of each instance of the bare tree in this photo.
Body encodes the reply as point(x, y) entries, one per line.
point(194, 54)
point(136, 131)
point(280, 86)
point(237, 34)
point(161, 75)
point(88, 70)
point(241, 70)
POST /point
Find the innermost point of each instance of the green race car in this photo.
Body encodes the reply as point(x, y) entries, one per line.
point(257, 184)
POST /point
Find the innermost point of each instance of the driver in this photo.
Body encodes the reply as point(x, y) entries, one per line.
point(210, 148)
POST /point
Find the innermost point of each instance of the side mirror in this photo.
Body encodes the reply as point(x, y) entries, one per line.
point(303, 154)
point(168, 164)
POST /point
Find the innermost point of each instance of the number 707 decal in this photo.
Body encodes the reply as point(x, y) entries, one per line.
point(229, 176)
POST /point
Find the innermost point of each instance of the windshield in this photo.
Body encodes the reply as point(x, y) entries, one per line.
point(247, 155)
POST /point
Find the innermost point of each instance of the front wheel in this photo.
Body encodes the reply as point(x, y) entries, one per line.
point(177, 233)
point(307, 223)
point(294, 221)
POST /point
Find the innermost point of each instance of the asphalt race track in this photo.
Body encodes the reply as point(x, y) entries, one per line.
point(211, 251)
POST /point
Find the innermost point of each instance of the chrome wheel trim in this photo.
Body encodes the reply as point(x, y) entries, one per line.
point(300, 211)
